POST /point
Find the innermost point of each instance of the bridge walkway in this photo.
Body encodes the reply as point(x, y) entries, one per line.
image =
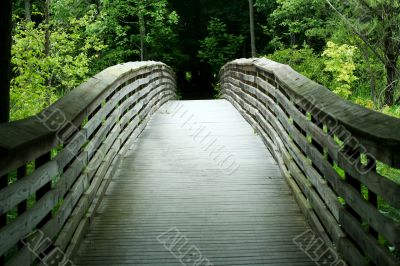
point(200, 176)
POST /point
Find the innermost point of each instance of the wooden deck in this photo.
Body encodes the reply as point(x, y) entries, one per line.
point(199, 171)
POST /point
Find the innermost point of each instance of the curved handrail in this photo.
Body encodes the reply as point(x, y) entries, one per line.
point(378, 132)
point(28, 139)
point(61, 160)
point(327, 149)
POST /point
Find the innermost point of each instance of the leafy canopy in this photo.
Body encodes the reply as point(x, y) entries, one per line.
point(40, 78)
point(219, 46)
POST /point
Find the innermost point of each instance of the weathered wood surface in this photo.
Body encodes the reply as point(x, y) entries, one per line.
point(376, 131)
point(174, 176)
point(93, 124)
point(25, 140)
point(300, 122)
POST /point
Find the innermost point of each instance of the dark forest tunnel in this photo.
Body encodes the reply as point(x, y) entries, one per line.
point(196, 83)
point(196, 79)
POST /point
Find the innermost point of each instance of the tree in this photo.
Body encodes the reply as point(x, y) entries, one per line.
point(377, 25)
point(339, 61)
point(252, 32)
point(42, 72)
point(219, 46)
point(47, 47)
point(142, 30)
point(137, 30)
point(304, 60)
point(63, 10)
point(195, 16)
point(28, 10)
point(5, 58)
point(295, 22)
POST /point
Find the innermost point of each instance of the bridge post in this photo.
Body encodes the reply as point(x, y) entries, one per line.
point(5, 59)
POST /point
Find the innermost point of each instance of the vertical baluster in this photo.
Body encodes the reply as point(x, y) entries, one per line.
point(22, 206)
point(354, 157)
point(372, 197)
point(3, 184)
point(329, 158)
point(21, 173)
point(298, 127)
point(47, 187)
point(316, 144)
point(3, 218)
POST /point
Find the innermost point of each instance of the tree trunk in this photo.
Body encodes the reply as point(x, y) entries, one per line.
point(5, 59)
point(372, 81)
point(252, 33)
point(391, 80)
point(47, 44)
point(391, 50)
point(47, 33)
point(372, 75)
point(142, 29)
point(391, 56)
point(28, 10)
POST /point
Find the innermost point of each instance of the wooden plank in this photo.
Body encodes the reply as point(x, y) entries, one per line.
point(376, 131)
point(388, 189)
point(239, 85)
point(376, 252)
point(166, 180)
point(67, 234)
point(343, 244)
point(47, 200)
point(22, 189)
point(71, 150)
point(382, 224)
point(52, 228)
point(319, 183)
point(25, 223)
point(327, 218)
point(28, 139)
point(75, 239)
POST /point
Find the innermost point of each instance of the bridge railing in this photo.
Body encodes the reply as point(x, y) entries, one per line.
point(55, 166)
point(328, 150)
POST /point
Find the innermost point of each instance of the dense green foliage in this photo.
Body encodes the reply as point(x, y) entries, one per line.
point(350, 47)
point(219, 46)
point(63, 42)
point(136, 28)
point(39, 77)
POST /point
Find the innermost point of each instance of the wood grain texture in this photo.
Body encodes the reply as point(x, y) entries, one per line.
point(79, 172)
point(376, 131)
point(172, 178)
point(298, 121)
point(25, 140)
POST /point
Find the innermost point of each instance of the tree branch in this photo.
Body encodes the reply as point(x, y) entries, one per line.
point(355, 31)
point(128, 22)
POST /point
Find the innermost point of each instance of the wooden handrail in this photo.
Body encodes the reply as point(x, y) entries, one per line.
point(70, 150)
point(327, 149)
point(27, 139)
point(379, 133)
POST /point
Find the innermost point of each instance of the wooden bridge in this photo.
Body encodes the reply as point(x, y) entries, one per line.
point(279, 171)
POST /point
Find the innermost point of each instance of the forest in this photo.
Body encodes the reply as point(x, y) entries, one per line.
point(351, 47)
